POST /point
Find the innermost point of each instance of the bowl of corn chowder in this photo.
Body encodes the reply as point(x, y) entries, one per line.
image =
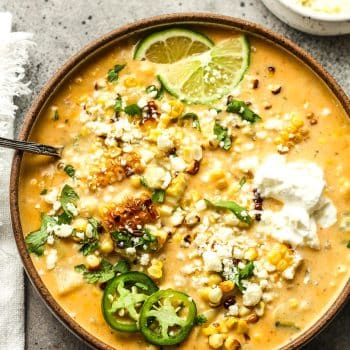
point(198, 203)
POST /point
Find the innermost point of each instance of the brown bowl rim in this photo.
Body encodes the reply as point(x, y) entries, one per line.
point(63, 72)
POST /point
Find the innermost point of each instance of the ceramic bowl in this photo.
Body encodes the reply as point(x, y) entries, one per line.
point(308, 21)
point(88, 53)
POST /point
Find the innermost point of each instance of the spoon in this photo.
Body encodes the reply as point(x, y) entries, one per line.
point(32, 147)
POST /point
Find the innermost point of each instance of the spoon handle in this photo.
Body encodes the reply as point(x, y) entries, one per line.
point(31, 147)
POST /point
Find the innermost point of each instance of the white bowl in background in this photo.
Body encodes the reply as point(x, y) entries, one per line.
point(308, 21)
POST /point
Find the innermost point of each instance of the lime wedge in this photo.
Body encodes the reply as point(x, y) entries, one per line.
point(171, 45)
point(204, 78)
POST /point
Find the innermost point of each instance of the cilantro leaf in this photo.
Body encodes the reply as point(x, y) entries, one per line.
point(88, 247)
point(68, 196)
point(195, 120)
point(222, 136)
point(348, 245)
point(240, 212)
point(151, 89)
point(43, 192)
point(243, 274)
point(200, 320)
point(118, 105)
point(242, 181)
point(36, 240)
point(239, 107)
point(124, 239)
point(105, 272)
point(91, 243)
point(56, 115)
point(158, 195)
point(133, 110)
point(69, 170)
point(113, 74)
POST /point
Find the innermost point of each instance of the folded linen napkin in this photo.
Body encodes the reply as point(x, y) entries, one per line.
point(13, 56)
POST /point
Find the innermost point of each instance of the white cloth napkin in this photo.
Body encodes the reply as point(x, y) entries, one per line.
point(13, 57)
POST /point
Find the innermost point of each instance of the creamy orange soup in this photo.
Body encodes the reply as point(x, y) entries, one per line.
point(261, 273)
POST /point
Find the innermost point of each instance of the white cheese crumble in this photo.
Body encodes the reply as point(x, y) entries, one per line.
point(252, 295)
point(51, 259)
point(299, 186)
point(63, 230)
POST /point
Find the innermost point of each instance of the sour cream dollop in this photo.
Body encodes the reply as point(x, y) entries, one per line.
point(299, 186)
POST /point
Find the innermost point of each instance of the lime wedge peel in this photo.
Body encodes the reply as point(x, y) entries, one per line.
point(171, 45)
point(205, 78)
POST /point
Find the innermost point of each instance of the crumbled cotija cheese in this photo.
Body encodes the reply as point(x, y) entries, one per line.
point(326, 6)
point(299, 185)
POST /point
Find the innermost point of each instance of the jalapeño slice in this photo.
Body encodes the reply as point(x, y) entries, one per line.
point(123, 298)
point(167, 317)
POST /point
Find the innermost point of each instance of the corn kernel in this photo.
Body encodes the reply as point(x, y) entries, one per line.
point(214, 279)
point(231, 322)
point(130, 82)
point(242, 327)
point(282, 265)
point(210, 330)
point(223, 327)
point(293, 303)
point(92, 261)
point(216, 341)
point(176, 108)
point(80, 224)
point(155, 272)
point(215, 295)
point(227, 286)
point(107, 245)
point(135, 181)
point(274, 257)
point(177, 186)
point(251, 254)
point(231, 343)
point(204, 293)
point(298, 122)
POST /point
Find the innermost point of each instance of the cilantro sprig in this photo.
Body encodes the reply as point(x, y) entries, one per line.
point(105, 272)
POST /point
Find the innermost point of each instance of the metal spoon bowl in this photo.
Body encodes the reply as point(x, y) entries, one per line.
point(31, 147)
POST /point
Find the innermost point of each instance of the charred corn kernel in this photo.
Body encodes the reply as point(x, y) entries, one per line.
point(80, 224)
point(251, 254)
point(177, 237)
point(293, 303)
point(284, 249)
point(231, 322)
point(210, 330)
point(226, 286)
point(187, 154)
point(130, 82)
point(177, 186)
point(282, 265)
point(176, 108)
point(214, 279)
point(204, 293)
point(157, 262)
point(242, 327)
point(216, 341)
point(92, 261)
point(106, 245)
point(274, 257)
point(135, 181)
point(231, 343)
point(215, 295)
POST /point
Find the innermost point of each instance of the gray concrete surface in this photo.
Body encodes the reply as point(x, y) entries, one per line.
point(62, 27)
